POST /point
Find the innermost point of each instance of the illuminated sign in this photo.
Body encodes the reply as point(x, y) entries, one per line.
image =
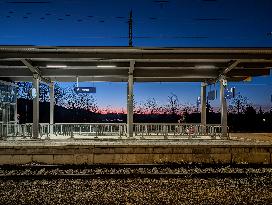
point(85, 90)
point(230, 93)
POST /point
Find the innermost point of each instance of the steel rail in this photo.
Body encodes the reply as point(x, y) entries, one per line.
point(132, 176)
point(133, 166)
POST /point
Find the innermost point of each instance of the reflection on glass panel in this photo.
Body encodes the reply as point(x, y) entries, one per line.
point(11, 113)
point(7, 103)
point(1, 114)
point(13, 94)
point(3, 96)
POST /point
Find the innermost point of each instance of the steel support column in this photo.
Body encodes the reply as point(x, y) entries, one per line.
point(16, 108)
point(130, 100)
point(203, 104)
point(223, 106)
point(52, 104)
point(35, 126)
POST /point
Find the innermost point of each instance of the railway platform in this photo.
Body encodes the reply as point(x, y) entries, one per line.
point(104, 151)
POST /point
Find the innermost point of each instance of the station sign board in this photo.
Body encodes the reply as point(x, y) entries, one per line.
point(230, 93)
point(85, 90)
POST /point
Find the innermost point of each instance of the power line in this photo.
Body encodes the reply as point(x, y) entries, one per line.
point(28, 2)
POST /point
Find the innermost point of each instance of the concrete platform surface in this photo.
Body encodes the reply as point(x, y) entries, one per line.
point(106, 141)
point(252, 137)
point(134, 151)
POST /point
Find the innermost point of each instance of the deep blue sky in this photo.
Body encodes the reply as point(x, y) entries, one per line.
point(219, 23)
point(239, 22)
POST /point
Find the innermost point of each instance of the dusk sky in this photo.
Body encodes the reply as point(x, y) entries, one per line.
point(178, 23)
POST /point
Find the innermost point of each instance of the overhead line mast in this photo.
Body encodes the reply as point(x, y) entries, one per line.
point(130, 34)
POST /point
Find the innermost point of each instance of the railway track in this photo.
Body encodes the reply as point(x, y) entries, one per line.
point(130, 171)
point(93, 166)
point(136, 184)
point(132, 176)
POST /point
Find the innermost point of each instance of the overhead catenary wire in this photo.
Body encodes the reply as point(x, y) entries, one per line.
point(192, 20)
point(87, 18)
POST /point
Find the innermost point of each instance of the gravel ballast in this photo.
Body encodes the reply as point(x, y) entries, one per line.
point(218, 190)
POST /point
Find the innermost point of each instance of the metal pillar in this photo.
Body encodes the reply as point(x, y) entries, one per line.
point(130, 100)
point(223, 106)
point(203, 104)
point(35, 126)
point(15, 108)
point(52, 104)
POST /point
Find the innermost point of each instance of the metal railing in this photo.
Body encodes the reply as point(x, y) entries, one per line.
point(15, 130)
point(74, 130)
point(112, 130)
point(178, 130)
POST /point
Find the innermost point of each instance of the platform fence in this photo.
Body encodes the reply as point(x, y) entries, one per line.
point(112, 130)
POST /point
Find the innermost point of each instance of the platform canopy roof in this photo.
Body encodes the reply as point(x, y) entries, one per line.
point(19, 63)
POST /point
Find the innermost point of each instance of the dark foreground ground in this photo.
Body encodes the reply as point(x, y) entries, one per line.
point(252, 190)
point(138, 191)
point(197, 184)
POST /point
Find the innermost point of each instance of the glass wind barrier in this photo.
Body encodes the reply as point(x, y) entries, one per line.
point(8, 113)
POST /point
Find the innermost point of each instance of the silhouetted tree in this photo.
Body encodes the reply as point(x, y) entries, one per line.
point(59, 94)
point(260, 111)
point(151, 106)
point(44, 92)
point(79, 100)
point(173, 105)
point(63, 97)
point(138, 107)
point(238, 104)
point(23, 90)
point(72, 107)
